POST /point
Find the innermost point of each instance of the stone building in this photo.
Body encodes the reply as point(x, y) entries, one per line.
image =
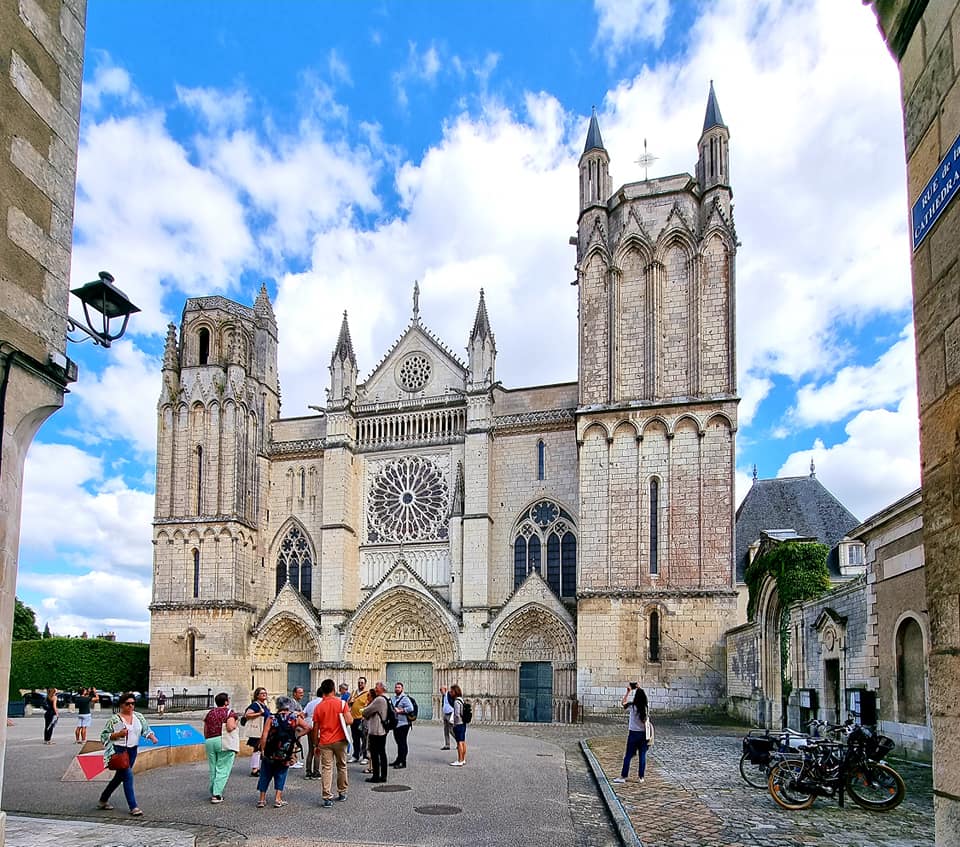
point(924, 38)
point(794, 509)
point(540, 546)
point(859, 651)
point(41, 54)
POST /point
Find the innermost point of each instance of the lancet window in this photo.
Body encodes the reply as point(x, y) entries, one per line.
point(295, 562)
point(545, 541)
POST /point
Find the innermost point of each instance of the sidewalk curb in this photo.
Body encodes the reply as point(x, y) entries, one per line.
point(628, 835)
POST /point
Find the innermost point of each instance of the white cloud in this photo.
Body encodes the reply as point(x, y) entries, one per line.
point(877, 464)
point(625, 22)
point(119, 402)
point(109, 81)
point(887, 381)
point(153, 218)
point(218, 108)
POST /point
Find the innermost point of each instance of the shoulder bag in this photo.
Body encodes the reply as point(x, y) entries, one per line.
point(229, 740)
point(648, 731)
point(119, 761)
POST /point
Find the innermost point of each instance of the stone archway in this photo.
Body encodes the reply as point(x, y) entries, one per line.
point(284, 641)
point(400, 626)
point(769, 612)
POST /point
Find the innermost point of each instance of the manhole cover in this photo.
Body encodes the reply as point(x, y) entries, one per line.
point(438, 810)
point(389, 788)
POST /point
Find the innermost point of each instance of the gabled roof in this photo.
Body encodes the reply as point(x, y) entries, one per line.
point(800, 504)
point(713, 117)
point(417, 326)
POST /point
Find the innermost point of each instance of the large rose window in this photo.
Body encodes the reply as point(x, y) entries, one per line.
point(408, 502)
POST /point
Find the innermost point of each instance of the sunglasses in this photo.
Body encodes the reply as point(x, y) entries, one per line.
point(129, 703)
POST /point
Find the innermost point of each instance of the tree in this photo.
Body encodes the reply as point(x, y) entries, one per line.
point(46, 631)
point(24, 622)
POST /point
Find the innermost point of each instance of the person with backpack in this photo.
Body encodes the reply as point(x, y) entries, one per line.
point(278, 749)
point(403, 707)
point(380, 719)
point(461, 717)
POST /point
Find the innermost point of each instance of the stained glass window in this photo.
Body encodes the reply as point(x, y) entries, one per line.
point(409, 501)
point(295, 562)
point(654, 526)
point(546, 524)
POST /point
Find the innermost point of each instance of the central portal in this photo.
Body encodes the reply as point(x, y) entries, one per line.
point(417, 679)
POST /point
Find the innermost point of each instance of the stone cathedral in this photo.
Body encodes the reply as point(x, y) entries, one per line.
point(540, 546)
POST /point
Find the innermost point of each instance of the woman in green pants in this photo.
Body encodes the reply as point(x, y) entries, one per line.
point(219, 757)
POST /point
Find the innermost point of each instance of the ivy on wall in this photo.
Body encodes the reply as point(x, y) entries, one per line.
point(72, 663)
point(799, 568)
point(800, 571)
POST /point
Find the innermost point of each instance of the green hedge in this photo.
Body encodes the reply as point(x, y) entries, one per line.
point(72, 663)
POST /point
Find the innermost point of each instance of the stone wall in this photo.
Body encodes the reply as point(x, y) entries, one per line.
point(925, 40)
point(41, 57)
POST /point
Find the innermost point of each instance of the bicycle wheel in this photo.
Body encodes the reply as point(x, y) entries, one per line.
point(875, 786)
point(783, 785)
point(753, 774)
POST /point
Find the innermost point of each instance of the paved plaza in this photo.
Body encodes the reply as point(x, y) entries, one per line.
point(522, 781)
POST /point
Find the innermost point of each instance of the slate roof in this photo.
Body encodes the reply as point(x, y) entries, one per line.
point(594, 141)
point(712, 117)
point(800, 503)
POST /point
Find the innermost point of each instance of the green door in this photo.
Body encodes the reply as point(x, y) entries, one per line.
point(536, 692)
point(298, 673)
point(417, 679)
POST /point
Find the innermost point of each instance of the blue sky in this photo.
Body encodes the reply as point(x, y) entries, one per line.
point(339, 151)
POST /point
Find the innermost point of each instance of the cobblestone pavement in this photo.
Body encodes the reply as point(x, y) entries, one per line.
point(693, 795)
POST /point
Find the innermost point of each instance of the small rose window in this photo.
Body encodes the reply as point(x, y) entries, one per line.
point(414, 372)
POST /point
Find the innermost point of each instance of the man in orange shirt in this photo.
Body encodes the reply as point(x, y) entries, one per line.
point(330, 720)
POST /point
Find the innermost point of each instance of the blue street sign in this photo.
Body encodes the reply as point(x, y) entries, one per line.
point(936, 194)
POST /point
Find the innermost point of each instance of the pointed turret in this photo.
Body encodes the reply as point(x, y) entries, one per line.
point(713, 166)
point(171, 357)
point(595, 184)
point(343, 367)
point(482, 349)
point(712, 117)
point(263, 308)
point(594, 140)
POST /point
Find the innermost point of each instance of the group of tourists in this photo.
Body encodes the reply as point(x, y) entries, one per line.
point(340, 727)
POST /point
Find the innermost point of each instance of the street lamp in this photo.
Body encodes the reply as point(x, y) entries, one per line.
point(110, 302)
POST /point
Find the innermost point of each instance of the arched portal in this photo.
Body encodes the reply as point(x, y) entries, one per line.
point(771, 671)
point(283, 651)
point(540, 648)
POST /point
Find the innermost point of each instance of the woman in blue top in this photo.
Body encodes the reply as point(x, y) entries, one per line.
point(635, 701)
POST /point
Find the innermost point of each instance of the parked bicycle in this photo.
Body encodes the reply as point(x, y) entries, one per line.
point(826, 768)
point(761, 750)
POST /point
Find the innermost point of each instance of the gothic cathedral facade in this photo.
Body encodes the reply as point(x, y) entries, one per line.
point(540, 546)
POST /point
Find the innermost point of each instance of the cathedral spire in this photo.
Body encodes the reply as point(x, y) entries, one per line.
point(712, 117)
point(344, 349)
point(481, 350)
point(594, 141)
point(171, 359)
point(713, 164)
point(481, 323)
point(595, 183)
point(343, 368)
point(416, 301)
point(263, 307)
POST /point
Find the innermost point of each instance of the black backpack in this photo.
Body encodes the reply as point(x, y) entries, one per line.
point(281, 744)
point(390, 721)
point(412, 716)
point(467, 713)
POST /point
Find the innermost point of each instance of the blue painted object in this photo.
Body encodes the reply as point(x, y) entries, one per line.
point(176, 735)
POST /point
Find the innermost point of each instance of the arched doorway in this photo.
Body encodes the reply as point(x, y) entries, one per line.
point(283, 650)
